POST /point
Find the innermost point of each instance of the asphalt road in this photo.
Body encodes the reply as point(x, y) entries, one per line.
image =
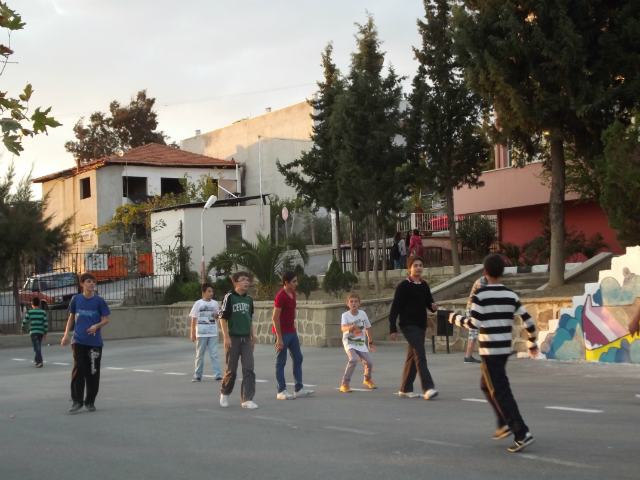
point(153, 423)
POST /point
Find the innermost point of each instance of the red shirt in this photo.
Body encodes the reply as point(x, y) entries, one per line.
point(288, 312)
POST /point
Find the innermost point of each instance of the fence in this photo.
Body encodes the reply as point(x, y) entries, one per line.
point(131, 277)
point(431, 255)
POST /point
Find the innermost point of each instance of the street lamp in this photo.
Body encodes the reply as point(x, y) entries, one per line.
point(211, 201)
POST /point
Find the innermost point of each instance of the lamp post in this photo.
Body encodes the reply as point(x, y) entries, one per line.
point(211, 201)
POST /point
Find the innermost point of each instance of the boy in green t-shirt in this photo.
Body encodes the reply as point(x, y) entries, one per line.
point(237, 328)
point(39, 327)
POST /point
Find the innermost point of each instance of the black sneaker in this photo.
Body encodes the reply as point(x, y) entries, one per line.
point(471, 360)
point(218, 379)
point(75, 407)
point(38, 365)
point(520, 444)
point(196, 379)
point(91, 407)
point(502, 432)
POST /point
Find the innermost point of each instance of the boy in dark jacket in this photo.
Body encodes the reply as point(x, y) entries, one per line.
point(411, 301)
point(38, 328)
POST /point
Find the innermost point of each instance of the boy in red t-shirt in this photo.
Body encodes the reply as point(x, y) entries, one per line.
point(284, 315)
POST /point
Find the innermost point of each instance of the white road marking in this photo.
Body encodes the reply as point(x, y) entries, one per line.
point(638, 396)
point(174, 373)
point(556, 461)
point(208, 376)
point(354, 389)
point(263, 381)
point(351, 430)
point(306, 384)
point(19, 359)
point(60, 363)
point(272, 419)
point(584, 410)
point(208, 410)
point(413, 395)
point(474, 400)
point(144, 371)
point(115, 368)
point(445, 444)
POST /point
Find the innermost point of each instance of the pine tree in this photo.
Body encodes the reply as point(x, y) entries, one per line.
point(367, 121)
point(313, 175)
point(443, 126)
point(557, 71)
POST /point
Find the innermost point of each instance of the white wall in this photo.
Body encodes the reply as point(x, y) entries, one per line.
point(215, 220)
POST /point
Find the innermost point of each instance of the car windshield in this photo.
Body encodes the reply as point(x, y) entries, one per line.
point(50, 283)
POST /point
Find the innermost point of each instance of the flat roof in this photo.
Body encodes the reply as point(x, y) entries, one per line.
point(219, 203)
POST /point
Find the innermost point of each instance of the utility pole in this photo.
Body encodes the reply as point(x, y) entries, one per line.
point(181, 265)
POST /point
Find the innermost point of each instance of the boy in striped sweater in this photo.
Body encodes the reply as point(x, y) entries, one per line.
point(39, 327)
point(492, 310)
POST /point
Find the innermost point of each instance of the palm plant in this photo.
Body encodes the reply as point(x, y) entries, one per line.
point(263, 259)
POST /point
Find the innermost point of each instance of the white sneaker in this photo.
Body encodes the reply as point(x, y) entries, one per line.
point(408, 394)
point(303, 392)
point(249, 404)
point(284, 395)
point(432, 393)
point(224, 400)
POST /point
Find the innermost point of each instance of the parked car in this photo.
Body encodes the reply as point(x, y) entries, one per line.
point(53, 289)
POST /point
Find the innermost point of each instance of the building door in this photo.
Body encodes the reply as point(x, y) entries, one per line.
point(233, 232)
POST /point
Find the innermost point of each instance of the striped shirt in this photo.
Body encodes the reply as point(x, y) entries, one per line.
point(492, 311)
point(38, 321)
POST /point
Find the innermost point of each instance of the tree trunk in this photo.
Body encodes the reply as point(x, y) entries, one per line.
point(354, 263)
point(376, 252)
point(556, 212)
point(367, 256)
point(16, 294)
point(313, 228)
point(384, 257)
point(453, 235)
point(338, 246)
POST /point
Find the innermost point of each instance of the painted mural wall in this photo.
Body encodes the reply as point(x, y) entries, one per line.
point(603, 324)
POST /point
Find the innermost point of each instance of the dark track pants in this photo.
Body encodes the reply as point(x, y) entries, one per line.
point(86, 370)
point(416, 362)
point(495, 386)
point(240, 350)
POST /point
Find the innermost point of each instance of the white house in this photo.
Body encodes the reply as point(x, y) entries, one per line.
point(228, 218)
point(93, 191)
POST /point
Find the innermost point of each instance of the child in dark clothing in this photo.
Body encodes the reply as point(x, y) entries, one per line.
point(38, 328)
point(410, 302)
point(492, 309)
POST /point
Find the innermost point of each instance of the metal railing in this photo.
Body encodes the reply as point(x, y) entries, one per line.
point(432, 255)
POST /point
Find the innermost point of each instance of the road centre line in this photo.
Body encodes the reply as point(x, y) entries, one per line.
point(413, 395)
point(556, 461)
point(144, 371)
point(481, 400)
point(174, 373)
point(306, 384)
point(114, 368)
point(19, 359)
point(272, 419)
point(354, 389)
point(584, 410)
point(444, 444)
point(350, 430)
point(60, 363)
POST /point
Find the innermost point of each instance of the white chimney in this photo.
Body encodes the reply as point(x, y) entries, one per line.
point(267, 110)
point(197, 132)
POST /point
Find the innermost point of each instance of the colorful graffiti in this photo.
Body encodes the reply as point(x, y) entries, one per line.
point(604, 324)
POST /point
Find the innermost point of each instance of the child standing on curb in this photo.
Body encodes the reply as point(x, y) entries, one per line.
point(88, 313)
point(237, 327)
point(492, 311)
point(354, 325)
point(38, 328)
point(204, 331)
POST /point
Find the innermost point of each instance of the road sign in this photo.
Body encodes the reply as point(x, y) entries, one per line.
point(285, 213)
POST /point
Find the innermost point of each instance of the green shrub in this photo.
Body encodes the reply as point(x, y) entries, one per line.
point(477, 233)
point(306, 284)
point(191, 291)
point(221, 287)
point(173, 293)
point(336, 281)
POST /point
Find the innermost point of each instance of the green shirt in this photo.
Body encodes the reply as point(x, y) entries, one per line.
point(38, 320)
point(237, 310)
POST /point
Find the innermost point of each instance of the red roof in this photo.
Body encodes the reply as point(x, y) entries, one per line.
point(151, 154)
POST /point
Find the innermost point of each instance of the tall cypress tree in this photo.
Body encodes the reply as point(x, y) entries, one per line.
point(313, 175)
point(366, 121)
point(561, 71)
point(443, 128)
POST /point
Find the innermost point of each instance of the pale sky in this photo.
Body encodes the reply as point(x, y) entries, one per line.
point(80, 55)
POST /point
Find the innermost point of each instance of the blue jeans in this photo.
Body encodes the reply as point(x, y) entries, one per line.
point(36, 339)
point(291, 342)
point(399, 264)
point(201, 345)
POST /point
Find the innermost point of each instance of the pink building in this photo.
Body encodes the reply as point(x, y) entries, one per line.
point(519, 200)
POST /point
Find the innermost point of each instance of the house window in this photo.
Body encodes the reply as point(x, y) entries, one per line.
point(233, 232)
point(134, 188)
point(85, 188)
point(171, 185)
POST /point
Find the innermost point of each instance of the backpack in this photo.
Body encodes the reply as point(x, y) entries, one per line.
point(395, 251)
